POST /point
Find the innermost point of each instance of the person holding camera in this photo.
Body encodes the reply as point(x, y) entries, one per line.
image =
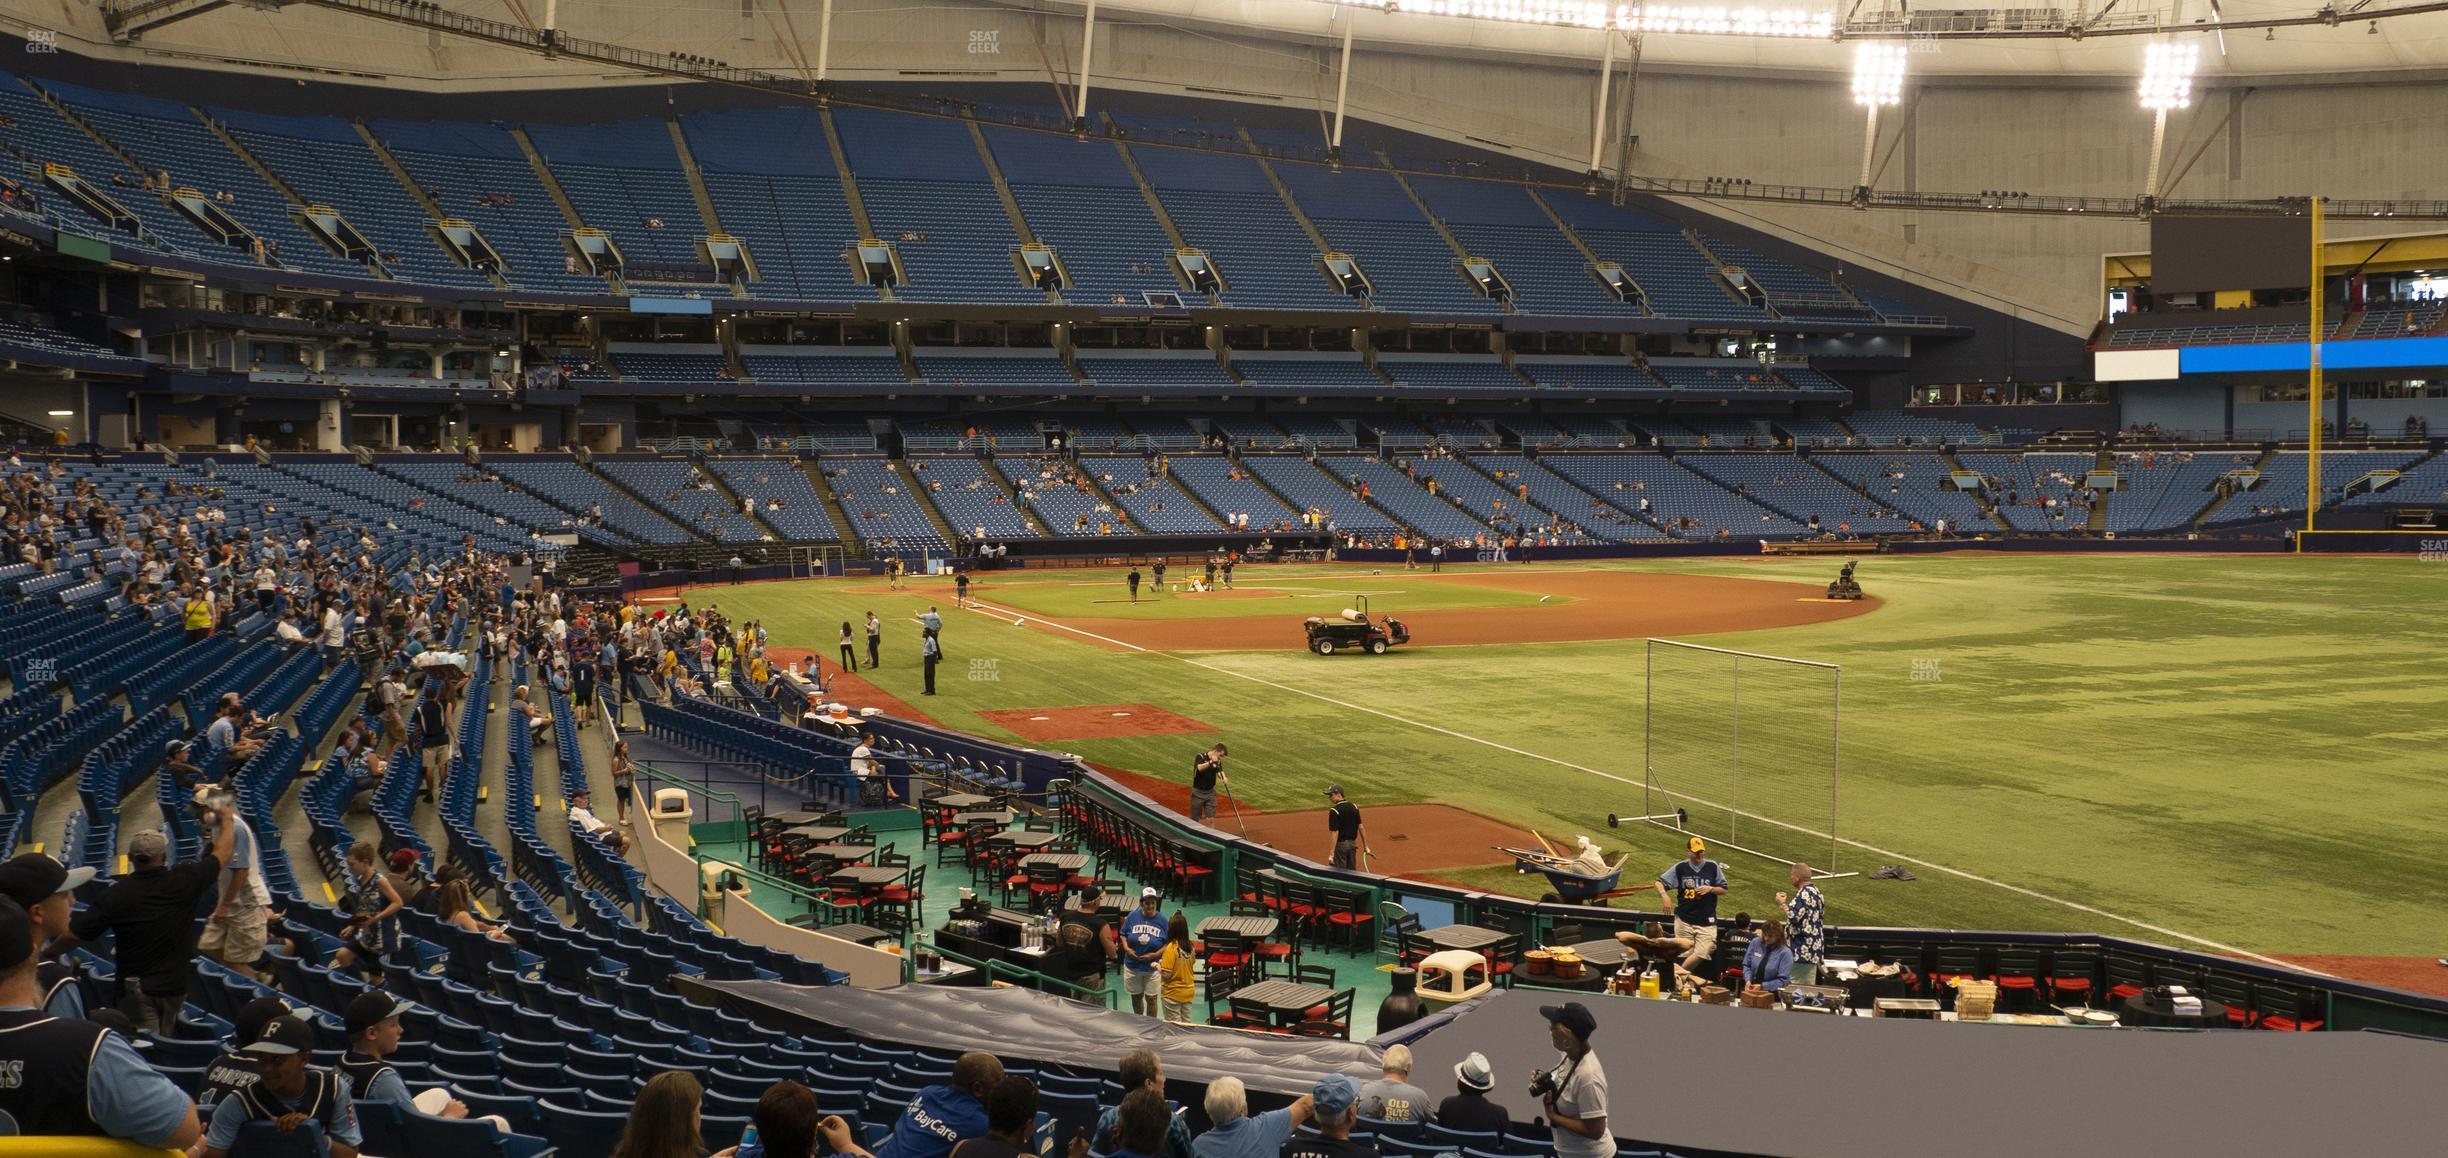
point(1575, 1091)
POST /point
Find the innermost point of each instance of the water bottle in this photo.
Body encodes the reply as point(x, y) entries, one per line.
point(749, 1147)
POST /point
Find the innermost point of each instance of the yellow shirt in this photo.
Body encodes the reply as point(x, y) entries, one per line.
point(199, 614)
point(1175, 966)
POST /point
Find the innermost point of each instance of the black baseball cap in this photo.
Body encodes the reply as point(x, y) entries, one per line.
point(282, 1037)
point(253, 1017)
point(371, 1008)
point(1572, 1015)
point(16, 935)
point(32, 878)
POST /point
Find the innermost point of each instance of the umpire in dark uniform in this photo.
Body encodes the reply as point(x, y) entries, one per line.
point(1344, 818)
point(1133, 580)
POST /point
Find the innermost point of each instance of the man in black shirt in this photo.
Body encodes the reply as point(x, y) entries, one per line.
point(1344, 818)
point(1206, 773)
point(153, 911)
point(1469, 1109)
point(1011, 1122)
point(1331, 1103)
point(1133, 580)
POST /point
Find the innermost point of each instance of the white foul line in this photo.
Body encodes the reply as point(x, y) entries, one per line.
point(1502, 747)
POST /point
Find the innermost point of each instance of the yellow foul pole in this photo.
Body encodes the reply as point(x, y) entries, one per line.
point(2312, 485)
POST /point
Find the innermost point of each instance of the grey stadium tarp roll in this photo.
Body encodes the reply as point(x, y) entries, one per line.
point(1025, 1024)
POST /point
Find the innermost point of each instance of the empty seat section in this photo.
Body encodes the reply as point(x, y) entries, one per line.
point(1687, 505)
point(801, 518)
point(1002, 370)
point(680, 490)
point(970, 497)
point(2161, 490)
point(626, 180)
point(1224, 205)
point(41, 134)
point(1501, 222)
point(1564, 373)
point(1787, 484)
point(927, 192)
point(1407, 500)
point(1185, 370)
point(166, 136)
point(575, 487)
point(1228, 488)
point(770, 173)
point(1680, 282)
point(478, 173)
point(1451, 372)
point(1079, 198)
point(1920, 485)
point(1365, 213)
point(1154, 502)
point(1501, 506)
point(1309, 488)
point(883, 513)
point(1595, 516)
point(858, 367)
point(1325, 373)
point(324, 160)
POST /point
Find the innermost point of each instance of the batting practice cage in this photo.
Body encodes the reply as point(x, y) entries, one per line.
point(1741, 750)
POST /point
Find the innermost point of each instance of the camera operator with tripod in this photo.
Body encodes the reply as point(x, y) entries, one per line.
point(1575, 1091)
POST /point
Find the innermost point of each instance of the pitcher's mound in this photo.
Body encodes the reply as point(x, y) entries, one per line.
point(1097, 722)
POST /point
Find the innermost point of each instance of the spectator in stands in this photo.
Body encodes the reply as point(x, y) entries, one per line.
point(374, 1034)
point(226, 736)
point(1690, 888)
point(1805, 924)
point(457, 908)
point(46, 890)
point(1768, 961)
point(1236, 1133)
point(1577, 1101)
point(1011, 1123)
point(582, 814)
point(1141, 1071)
point(1175, 971)
point(406, 881)
point(433, 739)
point(1331, 1102)
point(197, 614)
point(943, 1116)
point(288, 1093)
point(152, 912)
point(373, 904)
point(1393, 1098)
point(624, 780)
point(236, 1068)
point(234, 934)
point(664, 1121)
point(69, 1077)
point(1469, 1108)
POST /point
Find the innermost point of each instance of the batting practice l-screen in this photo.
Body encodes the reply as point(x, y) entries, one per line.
point(1745, 746)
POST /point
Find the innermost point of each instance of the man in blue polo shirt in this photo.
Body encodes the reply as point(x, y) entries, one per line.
point(1691, 889)
point(1143, 941)
point(944, 1116)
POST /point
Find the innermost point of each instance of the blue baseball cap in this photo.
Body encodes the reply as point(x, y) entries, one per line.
point(1335, 1094)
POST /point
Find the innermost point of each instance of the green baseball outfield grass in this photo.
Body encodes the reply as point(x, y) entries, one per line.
point(2242, 753)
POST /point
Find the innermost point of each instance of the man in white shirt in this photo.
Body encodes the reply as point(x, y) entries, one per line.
point(582, 814)
point(335, 632)
point(234, 934)
point(873, 787)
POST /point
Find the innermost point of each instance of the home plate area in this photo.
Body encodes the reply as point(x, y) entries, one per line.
point(1095, 722)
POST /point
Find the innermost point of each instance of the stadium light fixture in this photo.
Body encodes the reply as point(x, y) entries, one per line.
point(2167, 76)
point(1878, 82)
point(2167, 83)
